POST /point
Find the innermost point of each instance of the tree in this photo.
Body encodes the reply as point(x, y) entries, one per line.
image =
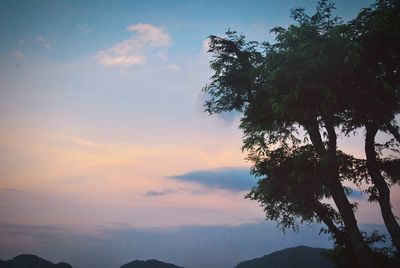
point(294, 190)
point(372, 79)
point(302, 84)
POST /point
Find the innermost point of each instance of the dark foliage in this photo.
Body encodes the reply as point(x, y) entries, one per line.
point(320, 76)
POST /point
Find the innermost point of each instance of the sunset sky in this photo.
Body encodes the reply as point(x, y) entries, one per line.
point(106, 154)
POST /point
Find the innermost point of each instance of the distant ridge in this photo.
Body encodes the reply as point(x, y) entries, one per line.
point(149, 264)
point(31, 261)
point(299, 257)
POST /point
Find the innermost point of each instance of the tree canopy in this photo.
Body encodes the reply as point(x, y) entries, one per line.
point(320, 77)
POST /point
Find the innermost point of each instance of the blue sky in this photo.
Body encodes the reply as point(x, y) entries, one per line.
point(75, 29)
point(103, 132)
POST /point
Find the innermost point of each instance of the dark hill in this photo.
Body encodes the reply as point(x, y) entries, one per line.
point(299, 257)
point(31, 261)
point(149, 264)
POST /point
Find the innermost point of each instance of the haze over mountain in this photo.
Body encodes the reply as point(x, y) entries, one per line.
point(31, 261)
point(299, 257)
point(149, 264)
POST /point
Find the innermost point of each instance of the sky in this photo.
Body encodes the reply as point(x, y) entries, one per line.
point(106, 153)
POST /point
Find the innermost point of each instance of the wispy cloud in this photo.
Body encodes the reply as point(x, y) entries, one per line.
point(135, 50)
point(82, 28)
point(43, 42)
point(174, 68)
point(235, 178)
point(85, 143)
point(160, 193)
point(168, 191)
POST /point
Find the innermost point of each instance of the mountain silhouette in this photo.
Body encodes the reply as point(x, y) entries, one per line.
point(149, 264)
point(31, 261)
point(299, 257)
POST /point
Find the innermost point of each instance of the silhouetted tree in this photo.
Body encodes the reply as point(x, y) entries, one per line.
point(318, 76)
point(372, 93)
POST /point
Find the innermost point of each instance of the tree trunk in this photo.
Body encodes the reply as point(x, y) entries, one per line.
point(380, 183)
point(324, 215)
point(361, 250)
point(341, 237)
